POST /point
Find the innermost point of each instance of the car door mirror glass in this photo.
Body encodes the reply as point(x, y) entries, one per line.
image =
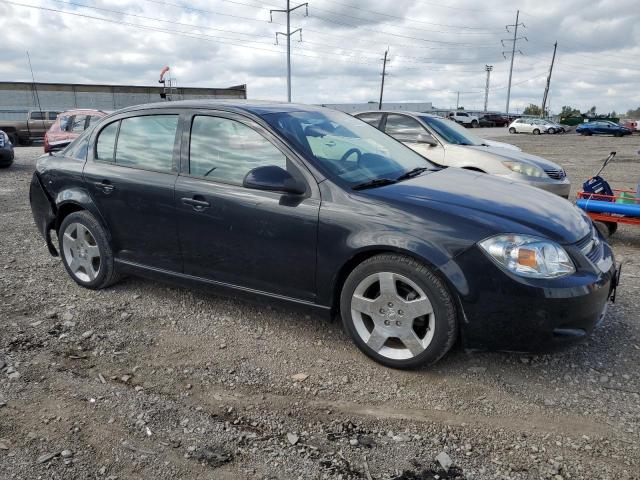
point(272, 178)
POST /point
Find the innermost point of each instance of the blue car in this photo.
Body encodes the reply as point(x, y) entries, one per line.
point(602, 127)
point(6, 150)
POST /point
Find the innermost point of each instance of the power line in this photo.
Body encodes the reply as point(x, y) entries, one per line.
point(406, 18)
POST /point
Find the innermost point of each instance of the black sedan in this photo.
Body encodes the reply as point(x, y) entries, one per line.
point(6, 150)
point(317, 208)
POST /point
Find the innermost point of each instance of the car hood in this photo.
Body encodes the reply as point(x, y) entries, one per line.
point(499, 205)
point(496, 144)
point(507, 154)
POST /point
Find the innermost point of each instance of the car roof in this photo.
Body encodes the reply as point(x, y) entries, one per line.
point(257, 107)
point(401, 112)
point(75, 111)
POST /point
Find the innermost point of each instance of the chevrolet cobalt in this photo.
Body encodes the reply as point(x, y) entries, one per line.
point(255, 199)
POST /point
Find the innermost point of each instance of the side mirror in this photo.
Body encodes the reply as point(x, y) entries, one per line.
point(416, 138)
point(272, 178)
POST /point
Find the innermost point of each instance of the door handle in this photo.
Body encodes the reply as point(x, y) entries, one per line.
point(330, 143)
point(197, 202)
point(105, 186)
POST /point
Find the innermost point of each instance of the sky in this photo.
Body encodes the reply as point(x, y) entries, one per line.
point(436, 48)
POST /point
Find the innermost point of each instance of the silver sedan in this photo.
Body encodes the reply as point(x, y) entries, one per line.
point(444, 142)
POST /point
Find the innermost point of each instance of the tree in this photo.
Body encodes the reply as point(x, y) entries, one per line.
point(568, 111)
point(634, 113)
point(532, 109)
point(592, 111)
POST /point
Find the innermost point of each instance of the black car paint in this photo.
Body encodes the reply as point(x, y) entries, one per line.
point(270, 243)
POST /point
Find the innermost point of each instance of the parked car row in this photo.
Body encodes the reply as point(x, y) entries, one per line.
point(34, 127)
point(446, 143)
point(535, 126)
point(317, 208)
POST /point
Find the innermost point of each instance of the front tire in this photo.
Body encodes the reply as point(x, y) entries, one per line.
point(85, 251)
point(512, 130)
point(536, 131)
point(552, 131)
point(474, 124)
point(398, 312)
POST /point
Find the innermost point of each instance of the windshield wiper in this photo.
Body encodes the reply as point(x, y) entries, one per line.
point(411, 173)
point(378, 182)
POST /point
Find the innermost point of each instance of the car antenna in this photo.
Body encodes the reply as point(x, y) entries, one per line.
point(35, 91)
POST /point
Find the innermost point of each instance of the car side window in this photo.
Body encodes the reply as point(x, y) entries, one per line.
point(371, 118)
point(53, 115)
point(403, 128)
point(226, 150)
point(78, 123)
point(147, 142)
point(37, 115)
point(93, 119)
point(106, 144)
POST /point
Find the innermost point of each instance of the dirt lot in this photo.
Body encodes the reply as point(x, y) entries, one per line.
point(149, 381)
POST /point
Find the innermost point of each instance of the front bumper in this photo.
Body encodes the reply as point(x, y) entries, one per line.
point(561, 188)
point(501, 311)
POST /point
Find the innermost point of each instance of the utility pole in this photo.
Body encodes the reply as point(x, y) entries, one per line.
point(513, 52)
point(546, 88)
point(458, 99)
point(288, 11)
point(488, 69)
point(384, 72)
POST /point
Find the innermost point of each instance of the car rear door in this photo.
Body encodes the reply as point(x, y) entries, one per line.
point(130, 174)
point(233, 235)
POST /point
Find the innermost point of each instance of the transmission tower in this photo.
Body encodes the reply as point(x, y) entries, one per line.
point(288, 34)
point(488, 69)
point(514, 42)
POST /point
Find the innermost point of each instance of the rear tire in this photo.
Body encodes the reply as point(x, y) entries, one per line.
point(85, 251)
point(512, 130)
point(474, 124)
point(536, 131)
point(398, 312)
point(551, 131)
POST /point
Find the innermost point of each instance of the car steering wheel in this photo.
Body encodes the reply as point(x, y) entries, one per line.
point(350, 152)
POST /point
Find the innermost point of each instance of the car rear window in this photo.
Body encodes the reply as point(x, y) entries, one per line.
point(106, 144)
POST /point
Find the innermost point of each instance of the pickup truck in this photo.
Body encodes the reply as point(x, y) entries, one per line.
point(24, 132)
point(464, 118)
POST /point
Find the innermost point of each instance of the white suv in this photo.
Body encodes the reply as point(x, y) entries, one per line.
point(464, 118)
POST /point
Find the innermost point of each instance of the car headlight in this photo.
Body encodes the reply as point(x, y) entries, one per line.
point(524, 169)
point(528, 256)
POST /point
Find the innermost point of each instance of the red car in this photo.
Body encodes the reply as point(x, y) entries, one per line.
point(630, 124)
point(68, 126)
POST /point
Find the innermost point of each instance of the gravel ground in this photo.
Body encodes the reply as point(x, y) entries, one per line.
point(149, 381)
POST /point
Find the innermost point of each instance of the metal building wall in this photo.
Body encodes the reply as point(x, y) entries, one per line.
point(16, 98)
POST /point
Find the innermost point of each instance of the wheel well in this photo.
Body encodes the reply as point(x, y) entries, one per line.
point(64, 211)
point(360, 257)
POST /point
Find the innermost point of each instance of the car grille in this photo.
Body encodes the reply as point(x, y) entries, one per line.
point(555, 173)
point(590, 246)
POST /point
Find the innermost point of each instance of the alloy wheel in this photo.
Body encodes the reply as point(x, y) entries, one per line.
point(81, 252)
point(393, 315)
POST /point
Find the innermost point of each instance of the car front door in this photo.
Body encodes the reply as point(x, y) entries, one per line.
point(409, 131)
point(253, 239)
point(130, 174)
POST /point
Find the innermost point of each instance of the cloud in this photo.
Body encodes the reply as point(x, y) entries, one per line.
point(436, 49)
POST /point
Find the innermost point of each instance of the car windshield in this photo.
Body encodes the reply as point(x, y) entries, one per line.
point(345, 147)
point(451, 132)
